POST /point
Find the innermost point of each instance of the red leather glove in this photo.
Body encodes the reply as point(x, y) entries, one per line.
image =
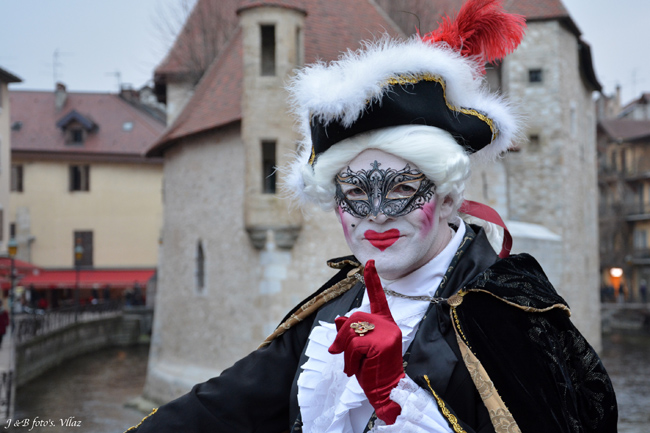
point(376, 357)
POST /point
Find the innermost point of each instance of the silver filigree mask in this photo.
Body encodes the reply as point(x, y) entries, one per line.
point(394, 193)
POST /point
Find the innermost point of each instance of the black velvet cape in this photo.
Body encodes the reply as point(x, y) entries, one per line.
point(509, 316)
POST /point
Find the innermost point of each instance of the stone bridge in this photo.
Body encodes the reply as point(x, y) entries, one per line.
point(625, 317)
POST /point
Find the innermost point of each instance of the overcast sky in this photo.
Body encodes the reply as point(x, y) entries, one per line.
point(95, 39)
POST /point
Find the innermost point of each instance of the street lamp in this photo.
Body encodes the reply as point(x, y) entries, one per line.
point(78, 255)
point(12, 249)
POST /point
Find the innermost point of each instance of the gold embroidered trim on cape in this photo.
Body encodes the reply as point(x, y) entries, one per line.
point(314, 304)
point(139, 424)
point(340, 264)
point(522, 307)
point(500, 415)
point(451, 418)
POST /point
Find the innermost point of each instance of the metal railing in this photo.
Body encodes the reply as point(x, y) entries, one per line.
point(6, 383)
point(34, 322)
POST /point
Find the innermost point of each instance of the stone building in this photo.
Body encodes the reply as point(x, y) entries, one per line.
point(235, 256)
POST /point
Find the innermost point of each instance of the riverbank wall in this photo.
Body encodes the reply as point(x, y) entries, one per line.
point(41, 353)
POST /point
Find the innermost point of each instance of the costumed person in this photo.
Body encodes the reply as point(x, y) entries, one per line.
point(430, 326)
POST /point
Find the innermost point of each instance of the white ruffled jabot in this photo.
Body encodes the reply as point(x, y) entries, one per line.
point(332, 402)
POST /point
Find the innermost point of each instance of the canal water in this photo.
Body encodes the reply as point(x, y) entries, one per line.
point(93, 388)
point(627, 360)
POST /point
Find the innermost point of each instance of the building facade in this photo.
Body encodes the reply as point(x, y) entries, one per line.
point(624, 202)
point(80, 179)
point(5, 155)
point(236, 256)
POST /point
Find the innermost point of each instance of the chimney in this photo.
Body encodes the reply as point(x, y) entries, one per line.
point(128, 93)
point(60, 96)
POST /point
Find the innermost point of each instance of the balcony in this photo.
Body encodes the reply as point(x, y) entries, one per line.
point(637, 211)
point(641, 256)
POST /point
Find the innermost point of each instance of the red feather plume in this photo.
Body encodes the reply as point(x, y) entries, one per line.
point(482, 29)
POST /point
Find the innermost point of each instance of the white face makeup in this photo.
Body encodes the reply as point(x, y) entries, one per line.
point(390, 213)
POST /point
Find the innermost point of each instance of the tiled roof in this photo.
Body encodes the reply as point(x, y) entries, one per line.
point(537, 9)
point(209, 25)
point(425, 14)
point(643, 99)
point(626, 130)
point(216, 100)
point(38, 117)
point(330, 27)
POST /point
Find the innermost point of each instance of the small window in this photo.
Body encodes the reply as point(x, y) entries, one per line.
point(17, 178)
point(200, 268)
point(82, 250)
point(640, 240)
point(76, 136)
point(268, 167)
point(268, 50)
point(79, 178)
point(535, 76)
point(534, 142)
point(299, 45)
point(493, 76)
point(127, 126)
point(624, 161)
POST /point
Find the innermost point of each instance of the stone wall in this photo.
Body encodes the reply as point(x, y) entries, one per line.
point(34, 357)
point(552, 182)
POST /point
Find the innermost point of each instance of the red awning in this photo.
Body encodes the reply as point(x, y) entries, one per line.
point(21, 269)
point(88, 279)
point(20, 266)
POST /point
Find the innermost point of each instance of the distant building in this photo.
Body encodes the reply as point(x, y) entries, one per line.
point(5, 155)
point(79, 178)
point(235, 257)
point(624, 201)
point(639, 109)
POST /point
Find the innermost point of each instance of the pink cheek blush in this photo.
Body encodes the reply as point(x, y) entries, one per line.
point(428, 217)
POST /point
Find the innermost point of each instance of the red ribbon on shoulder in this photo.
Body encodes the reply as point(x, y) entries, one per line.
point(486, 213)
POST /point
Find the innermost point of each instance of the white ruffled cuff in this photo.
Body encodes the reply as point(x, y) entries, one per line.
point(420, 411)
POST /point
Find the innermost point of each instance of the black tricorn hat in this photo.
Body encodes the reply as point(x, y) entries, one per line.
point(408, 101)
point(435, 80)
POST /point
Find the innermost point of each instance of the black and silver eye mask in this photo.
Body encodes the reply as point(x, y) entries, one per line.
point(391, 192)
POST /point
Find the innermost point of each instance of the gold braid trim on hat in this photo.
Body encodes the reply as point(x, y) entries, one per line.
point(314, 304)
point(413, 79)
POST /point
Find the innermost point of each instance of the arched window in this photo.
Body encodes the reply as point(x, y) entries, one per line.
point(200, 267)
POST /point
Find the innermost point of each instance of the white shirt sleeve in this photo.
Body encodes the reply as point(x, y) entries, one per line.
point(420, 411)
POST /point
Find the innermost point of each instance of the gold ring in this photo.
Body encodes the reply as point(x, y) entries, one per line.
point(362, 328)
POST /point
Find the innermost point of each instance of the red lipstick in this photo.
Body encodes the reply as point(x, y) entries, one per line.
point(382, 240)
